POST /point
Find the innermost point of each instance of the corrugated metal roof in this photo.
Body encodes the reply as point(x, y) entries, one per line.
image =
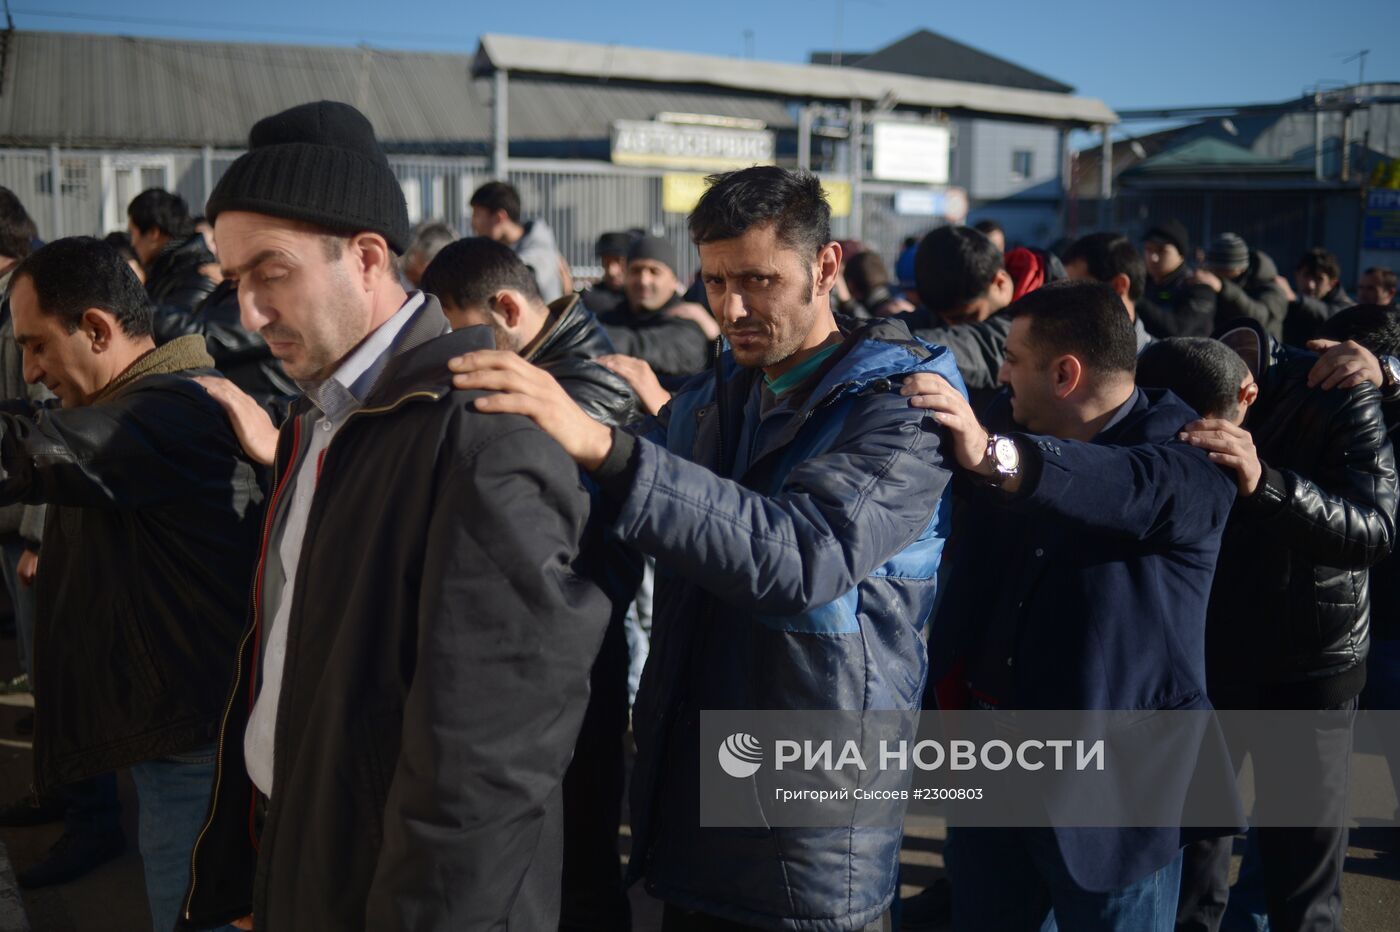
point(579, 59)
point(122, 92)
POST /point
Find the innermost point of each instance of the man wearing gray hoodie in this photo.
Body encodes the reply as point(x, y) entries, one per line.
point(496, 214)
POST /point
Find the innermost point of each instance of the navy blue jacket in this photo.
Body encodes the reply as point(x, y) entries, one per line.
point(796, 564)
point(1088, 588)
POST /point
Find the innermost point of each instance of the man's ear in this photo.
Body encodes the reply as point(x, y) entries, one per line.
point(1249, 394)
point(1067, 373)
point(98, 326)
point(828, 267)
point(375, 258)
point(507, 304)
point(1003, 287)
point(1119, 284)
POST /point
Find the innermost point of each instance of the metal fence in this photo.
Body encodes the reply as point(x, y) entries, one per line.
point(579, 200)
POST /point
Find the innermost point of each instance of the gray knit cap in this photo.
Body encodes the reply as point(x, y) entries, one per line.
point(1228, 251)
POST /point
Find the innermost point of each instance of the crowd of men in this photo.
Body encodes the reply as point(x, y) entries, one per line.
point(363, 548)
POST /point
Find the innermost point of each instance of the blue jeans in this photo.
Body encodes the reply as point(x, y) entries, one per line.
point(638, 629)
point(173, 797)
point(1015, 880)
point(22, 598)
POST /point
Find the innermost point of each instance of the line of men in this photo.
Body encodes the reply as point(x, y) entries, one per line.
point(421, 621)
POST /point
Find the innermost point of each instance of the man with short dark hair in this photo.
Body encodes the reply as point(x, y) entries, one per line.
point(1084, 555)
point(172, 250)
point(147, 558)
point(1377, 286)
point(1204, 373)
point(1173, 303)
point(607, 293)
point(964, 280)
point(656, 324)
point(427, 243)
point(993, 231)
point(1318, 294)
point(496, 214)
point(1245, 283)
point(776, 498)
point(1110, 258)
point(411, 685)
point(483, 283)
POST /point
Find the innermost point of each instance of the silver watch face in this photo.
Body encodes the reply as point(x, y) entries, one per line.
point(1007, 457)
point(1390, 368)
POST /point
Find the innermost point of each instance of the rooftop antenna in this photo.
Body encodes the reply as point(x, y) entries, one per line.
point(748, 43)
point(1359, 58)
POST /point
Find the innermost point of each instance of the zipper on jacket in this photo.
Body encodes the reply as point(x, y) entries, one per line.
point(238, 668)
point(257, 612)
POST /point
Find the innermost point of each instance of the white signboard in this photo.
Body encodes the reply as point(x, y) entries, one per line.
point(910, 152)
point(683, 145)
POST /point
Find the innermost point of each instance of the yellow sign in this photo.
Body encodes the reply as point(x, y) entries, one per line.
point(681, 192)
point(838, 195)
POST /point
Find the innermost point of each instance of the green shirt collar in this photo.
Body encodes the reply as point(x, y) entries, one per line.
point(799, 373)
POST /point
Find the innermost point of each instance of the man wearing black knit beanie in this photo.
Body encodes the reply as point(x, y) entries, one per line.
point(416, 666)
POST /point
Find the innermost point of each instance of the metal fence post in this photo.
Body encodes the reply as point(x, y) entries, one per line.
point(500, 124)
point(857, 167)
point(206, 158)
point(56, 189)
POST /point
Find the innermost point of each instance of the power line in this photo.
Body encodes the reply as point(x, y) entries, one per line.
point(207, 26)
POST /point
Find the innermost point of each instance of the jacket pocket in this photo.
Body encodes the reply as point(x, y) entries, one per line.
point(379, 737)
point(135, 638)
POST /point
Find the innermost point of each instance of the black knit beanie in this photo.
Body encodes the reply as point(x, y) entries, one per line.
point(1170, 231)
point(654, 248)
point(320, 163)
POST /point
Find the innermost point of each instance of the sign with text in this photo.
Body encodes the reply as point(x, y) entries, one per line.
point(1381, 228)
point(910, 152)
point(683, 145)
point(680, 192)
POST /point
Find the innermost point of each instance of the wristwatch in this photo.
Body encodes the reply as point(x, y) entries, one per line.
point(1005, 458)
point(1390, 373)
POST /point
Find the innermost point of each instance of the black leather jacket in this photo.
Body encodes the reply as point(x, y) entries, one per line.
point(175, 278)
point(242, 357)
point(1290, 608)
point(566, 350)
point(676, 349)
point(148, 558)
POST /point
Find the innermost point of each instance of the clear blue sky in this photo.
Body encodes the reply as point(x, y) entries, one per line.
point(1131, 53)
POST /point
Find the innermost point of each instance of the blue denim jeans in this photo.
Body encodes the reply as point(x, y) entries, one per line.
point(1015, 880)
point(638, 629)
point(173, 797)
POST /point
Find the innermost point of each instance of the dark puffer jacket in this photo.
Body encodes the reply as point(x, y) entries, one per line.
point(797, 560)
point(567, 349)
point(673, 347)
point(1177, 306)
point(176, 278)
point(1256, 295)
point(1289, 612)
point(243, 357)
point(1306, 314)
